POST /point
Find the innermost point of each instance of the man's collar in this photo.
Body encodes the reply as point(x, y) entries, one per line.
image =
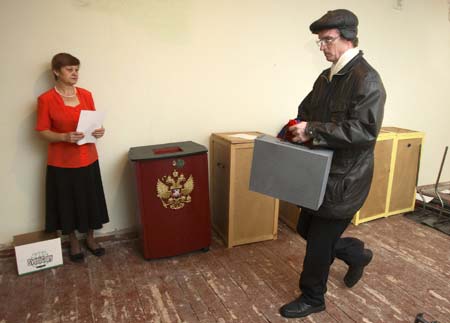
point(342, 61)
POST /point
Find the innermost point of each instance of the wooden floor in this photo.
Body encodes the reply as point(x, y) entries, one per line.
point(410, 273)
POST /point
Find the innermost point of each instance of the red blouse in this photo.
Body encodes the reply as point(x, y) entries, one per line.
point(54, 115)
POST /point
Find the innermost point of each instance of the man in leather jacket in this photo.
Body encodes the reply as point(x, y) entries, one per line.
point(343, 112)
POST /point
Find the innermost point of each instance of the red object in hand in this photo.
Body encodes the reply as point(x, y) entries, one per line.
point(288, 136)
point(292, 122)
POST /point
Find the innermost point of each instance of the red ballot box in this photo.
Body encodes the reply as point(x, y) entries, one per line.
point(173, 196)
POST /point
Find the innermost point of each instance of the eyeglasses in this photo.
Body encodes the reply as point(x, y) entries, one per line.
point(326, 41)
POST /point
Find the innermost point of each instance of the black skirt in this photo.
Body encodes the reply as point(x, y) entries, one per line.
point(75, 199)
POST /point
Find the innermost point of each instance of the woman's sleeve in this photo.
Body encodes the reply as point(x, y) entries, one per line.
point(43, 115)
point(91, 101)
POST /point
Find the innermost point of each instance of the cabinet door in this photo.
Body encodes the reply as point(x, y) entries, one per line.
point(405, 174)
point(254, 215)
point(220, 168)
point(375, 203)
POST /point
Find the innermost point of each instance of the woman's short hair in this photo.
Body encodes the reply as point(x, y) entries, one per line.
point(63, 59)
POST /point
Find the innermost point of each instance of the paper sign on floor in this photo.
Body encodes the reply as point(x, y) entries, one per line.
point(37, 256)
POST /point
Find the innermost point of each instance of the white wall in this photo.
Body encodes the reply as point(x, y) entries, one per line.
point(175, 70)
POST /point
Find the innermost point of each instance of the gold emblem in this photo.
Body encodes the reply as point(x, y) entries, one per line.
point(173, 190)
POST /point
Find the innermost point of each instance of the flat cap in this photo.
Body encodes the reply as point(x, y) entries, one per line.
point(342, 19)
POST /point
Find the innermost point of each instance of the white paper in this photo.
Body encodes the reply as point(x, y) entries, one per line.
point(446, 191)
point(38, 256)
point(88, 122)
point(425, 199)
point(244, 136)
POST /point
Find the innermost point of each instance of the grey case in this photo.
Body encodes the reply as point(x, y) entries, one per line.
point(290, 172)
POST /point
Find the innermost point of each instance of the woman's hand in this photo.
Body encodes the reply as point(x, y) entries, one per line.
point(98, 133)
point(52, 136)
point(73, 136)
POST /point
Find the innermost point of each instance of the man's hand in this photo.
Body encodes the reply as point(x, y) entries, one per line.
point(299, 133)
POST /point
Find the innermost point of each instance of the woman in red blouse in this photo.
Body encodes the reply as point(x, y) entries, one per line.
point(75, 200)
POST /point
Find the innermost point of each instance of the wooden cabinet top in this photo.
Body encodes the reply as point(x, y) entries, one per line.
point(401, 131)
point(237, 137)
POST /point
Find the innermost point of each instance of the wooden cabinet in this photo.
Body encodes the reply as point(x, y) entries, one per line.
point(288, 213)
point(239, 215)
point(393, 189)
point(376, 201)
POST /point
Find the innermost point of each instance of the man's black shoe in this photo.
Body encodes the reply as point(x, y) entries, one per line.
point(299, 308)
point(355, 273)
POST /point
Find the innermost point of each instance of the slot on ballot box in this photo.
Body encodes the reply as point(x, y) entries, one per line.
point(290, 172)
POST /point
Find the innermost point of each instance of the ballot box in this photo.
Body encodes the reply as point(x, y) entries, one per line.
point(173, 198)
point(290, 172)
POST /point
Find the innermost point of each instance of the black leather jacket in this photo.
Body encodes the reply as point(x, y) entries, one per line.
point(345, 115)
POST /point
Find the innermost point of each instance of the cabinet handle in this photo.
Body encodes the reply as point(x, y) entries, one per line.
point(220, 165)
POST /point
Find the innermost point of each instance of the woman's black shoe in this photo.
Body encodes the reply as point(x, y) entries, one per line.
point(99, 251)
point(78, 257)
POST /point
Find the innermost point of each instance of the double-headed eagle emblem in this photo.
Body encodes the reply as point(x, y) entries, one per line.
point(173, 190)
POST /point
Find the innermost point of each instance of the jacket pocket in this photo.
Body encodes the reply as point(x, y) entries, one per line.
point(335, 189)
point(343, 188)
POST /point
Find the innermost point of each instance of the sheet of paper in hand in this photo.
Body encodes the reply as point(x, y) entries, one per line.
point(87, 123)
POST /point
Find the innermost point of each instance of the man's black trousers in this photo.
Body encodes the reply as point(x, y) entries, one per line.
point(323, 244)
